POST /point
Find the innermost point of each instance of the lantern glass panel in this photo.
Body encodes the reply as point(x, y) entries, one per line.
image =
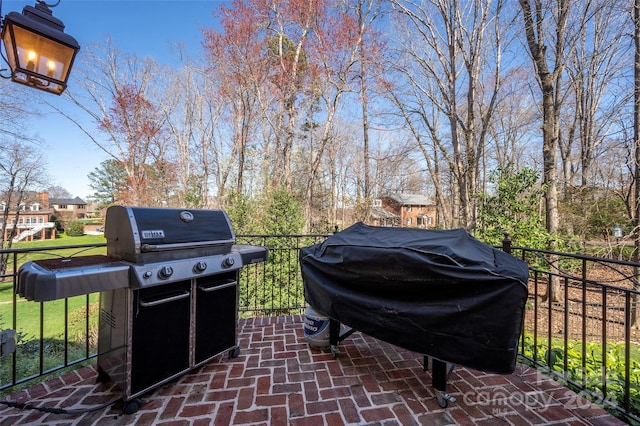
point(41, 55)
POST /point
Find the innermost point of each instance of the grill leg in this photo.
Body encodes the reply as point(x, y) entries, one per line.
point(337, 335)
point(440, 372)
point(103, 376)
point(334, 336)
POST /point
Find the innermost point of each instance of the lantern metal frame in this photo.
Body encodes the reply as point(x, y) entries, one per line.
point(36, 48)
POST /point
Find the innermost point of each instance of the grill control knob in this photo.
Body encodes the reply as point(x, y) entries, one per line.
point(165, 272)
point(201, 266)
point(228, 262)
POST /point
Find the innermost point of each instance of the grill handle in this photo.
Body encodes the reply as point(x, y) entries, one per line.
point(165, 300)
point(146, 248)
point(231, 283)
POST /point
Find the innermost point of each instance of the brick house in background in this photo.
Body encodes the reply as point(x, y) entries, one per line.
point(37, 211)
point(33, 222)
point(69, 208)
point(404, 210)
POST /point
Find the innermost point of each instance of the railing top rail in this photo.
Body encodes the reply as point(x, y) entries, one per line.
point(49, 248)
point(283, 236)
point(578, 256)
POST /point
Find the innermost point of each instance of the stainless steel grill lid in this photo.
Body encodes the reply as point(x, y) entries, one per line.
point(141, 234)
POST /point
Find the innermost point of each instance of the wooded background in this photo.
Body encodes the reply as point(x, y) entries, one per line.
point(503, 112)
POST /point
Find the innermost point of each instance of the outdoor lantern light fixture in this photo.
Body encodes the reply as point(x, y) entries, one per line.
point(38, 52)
point(617, 232)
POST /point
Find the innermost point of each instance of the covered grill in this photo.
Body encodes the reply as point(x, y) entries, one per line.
point(440, 293)
point(168, 292)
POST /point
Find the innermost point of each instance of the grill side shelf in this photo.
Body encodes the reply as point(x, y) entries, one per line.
point(251, 254)
point(41, 285)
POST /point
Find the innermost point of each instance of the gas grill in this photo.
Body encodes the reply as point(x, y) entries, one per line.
point(168, 292)
point(441, 293)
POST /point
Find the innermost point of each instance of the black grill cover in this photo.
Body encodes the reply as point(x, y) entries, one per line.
point(440, 293)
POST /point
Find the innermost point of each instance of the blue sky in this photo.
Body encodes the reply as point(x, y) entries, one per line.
point(140, 27)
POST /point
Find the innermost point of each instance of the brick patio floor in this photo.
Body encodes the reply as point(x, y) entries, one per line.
point(279, 380)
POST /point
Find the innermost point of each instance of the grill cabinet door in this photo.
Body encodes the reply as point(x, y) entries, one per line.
point(160, 338)
point(216, 315)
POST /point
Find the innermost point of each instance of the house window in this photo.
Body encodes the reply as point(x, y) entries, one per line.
point(62, 206)
point(35, 207)
point(409, 208)
point(377, 203)
point(409, 221)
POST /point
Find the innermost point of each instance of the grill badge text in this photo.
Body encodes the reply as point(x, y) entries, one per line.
point(159, 233)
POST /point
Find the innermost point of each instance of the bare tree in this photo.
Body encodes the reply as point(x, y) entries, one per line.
point(370, 52)
point(193, 114)
point(546, 27)
point(117, 93)
point(334, 51)
point(20, 175)
point(515, 123)
point(57, 191)
point(453, 73)
point(238, 66)
point(290, 24)
point(538, 33)
point(17, 103)
point(422, 119)
point(636, 131)
point(594, 65)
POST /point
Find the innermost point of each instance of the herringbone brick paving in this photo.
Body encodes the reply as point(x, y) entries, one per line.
point(279, 380)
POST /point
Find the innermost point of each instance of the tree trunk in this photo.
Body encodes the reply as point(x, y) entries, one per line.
point(549, 81)
point(365, 113)
point(636, 143)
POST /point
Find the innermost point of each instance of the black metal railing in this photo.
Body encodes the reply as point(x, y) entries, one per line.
point(51, 336)
point(581, 322)
point(581, 326)
point(275, 287)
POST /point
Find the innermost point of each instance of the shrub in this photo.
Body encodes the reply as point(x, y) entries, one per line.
point(590, 371)
point(75, 228)
point(515, 208)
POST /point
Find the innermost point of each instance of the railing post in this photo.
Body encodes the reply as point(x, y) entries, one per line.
point(506, 243)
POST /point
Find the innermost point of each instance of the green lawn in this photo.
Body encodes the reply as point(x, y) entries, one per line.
point(48, 319)
point(28, 313)
point(60, 241)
